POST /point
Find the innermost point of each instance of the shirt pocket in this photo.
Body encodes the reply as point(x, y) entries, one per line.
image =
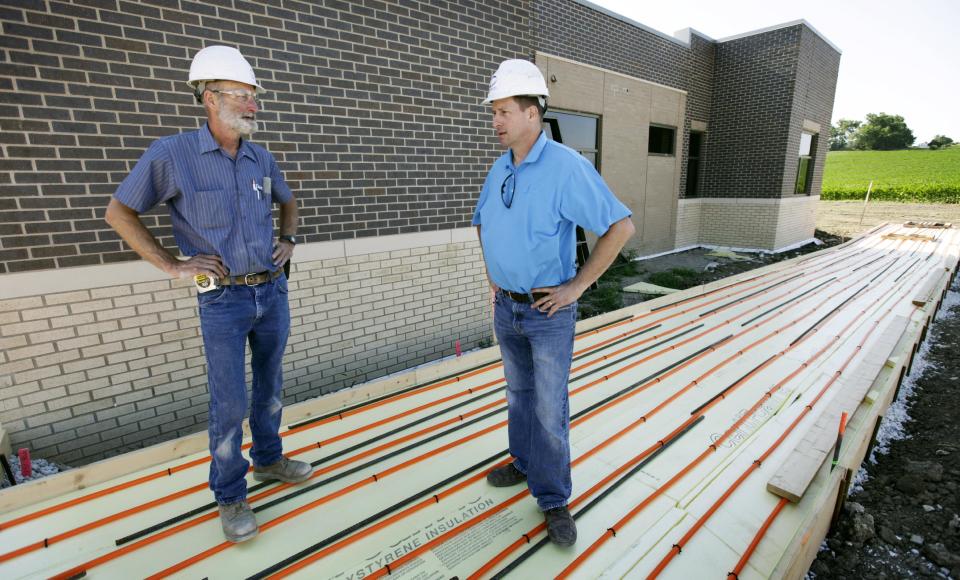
point(212, 208)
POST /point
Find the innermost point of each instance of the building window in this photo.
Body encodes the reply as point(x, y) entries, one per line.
point(576, 131)
point(805, 166)
point(694, 154)
point(661, 140)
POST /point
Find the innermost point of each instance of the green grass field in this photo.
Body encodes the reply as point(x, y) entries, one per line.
point(913, 175)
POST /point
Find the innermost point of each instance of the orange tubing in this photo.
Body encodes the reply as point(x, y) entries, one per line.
point(442, 383)
point(384, 523)
point(207, 517)
point(745, 557)
point(676, 549)
point(710, 449)
point(596, 487)
point(200, 461)
point(328, 550)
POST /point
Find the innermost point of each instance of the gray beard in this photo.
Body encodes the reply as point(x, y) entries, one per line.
point(242, 126)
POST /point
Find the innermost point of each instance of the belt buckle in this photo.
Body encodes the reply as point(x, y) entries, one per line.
point(246, 280)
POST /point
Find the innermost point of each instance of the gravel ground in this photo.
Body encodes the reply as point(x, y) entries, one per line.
point(39, 468)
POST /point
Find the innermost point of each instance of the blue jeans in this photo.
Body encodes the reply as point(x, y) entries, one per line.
point(537, 352)
point(229, 318)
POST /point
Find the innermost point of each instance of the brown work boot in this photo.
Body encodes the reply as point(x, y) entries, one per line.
point(561, 528)
point(288, 470)
point(238, 522)
point(505, 476)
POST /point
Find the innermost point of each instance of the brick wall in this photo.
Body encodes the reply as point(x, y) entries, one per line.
point(373, 112)
point(92, 372)
point(579, 32)
point(689, 219)
point(816, 85)
point(747, 140)
point(751, 91)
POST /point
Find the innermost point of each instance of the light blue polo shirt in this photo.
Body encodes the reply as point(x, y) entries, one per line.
point(532, 244)
point(218, 205)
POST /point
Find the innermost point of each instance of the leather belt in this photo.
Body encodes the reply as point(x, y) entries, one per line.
point(250, 279)
point(524, 298)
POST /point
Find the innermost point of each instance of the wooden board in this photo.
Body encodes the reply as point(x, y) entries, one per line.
point(802, 464)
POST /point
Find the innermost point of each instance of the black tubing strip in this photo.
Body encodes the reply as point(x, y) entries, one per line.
point(199, 510)
point(724, 392)
point(545, 540)
point(302, 490)
point(401, 428)
point(388, 396)
point(633, 354)
point(367, 521)
point(882, 272)
point(7, 470)
point(427, 384)
point(912, 264)
point(616, 342)
point(750, 295)
point(830, 313)
point(647, 378)
point(861, 266)
point(782, 304)
point(715, 290)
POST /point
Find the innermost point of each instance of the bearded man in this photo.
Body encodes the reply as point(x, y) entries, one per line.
point(220, 189)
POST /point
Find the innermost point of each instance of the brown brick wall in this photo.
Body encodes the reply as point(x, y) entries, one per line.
point(373, 112)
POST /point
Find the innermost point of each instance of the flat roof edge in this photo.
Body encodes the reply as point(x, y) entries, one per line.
point(778, 27)
point(630, 21)
point(682, 37)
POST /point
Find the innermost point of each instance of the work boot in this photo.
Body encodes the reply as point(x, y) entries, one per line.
point(288, 470)
point(505, 476)
point(239, 523)
point(561, 528)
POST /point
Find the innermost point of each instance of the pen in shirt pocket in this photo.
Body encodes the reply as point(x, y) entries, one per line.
point(257, 188)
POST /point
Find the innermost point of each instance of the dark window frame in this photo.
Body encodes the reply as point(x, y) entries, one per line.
point(554, 124)
point(651, 141)
point(803, 184)
point(692, 188)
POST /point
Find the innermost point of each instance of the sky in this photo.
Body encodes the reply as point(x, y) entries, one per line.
point(900, 57)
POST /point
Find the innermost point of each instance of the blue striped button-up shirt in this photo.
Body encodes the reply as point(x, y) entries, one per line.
point(218, 205)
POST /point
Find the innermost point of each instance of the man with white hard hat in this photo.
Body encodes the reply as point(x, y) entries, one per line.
point(534, 197)
point(220, 189)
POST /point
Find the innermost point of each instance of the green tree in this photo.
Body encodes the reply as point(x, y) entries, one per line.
point(940, 141)
point(841, 134)
point(883, 132)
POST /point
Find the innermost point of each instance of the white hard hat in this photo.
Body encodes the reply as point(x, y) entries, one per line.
point(220, 63)
point(516, 78)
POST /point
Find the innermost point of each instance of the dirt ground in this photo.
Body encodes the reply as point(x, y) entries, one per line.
point(904, 522)
point(904, 519)
point(843, 218)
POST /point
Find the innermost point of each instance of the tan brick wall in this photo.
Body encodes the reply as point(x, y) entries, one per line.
point(92, 372)
point(768, 224)
point(688, 223)
point(798, 220)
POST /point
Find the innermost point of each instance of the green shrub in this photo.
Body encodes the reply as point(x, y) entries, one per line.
point(679, 278)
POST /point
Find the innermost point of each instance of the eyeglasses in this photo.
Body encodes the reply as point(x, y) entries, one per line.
point(507, 189)
point(245, 97)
